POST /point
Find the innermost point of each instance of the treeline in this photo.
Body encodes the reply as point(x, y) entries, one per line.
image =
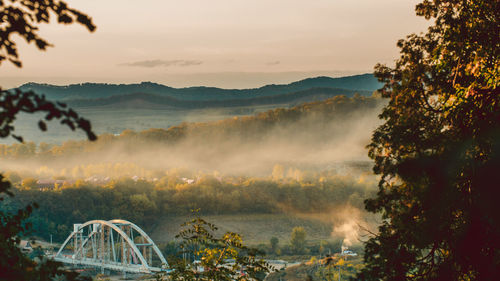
point(157, 100)
point(248, 129)
point(146, 203)
point(281, 249)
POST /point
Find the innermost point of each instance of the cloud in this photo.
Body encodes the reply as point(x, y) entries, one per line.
point(273, 63)
point(162, 63)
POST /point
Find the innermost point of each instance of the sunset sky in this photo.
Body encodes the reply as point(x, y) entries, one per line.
point(224, 43)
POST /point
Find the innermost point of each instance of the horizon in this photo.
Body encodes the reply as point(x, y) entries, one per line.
point(191, 86)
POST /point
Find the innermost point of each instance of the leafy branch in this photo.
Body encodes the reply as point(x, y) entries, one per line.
point(224, 258)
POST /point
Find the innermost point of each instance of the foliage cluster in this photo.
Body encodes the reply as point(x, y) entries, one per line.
point(219, 258)
point(14, 265)
point(438, 151)
point(331, 268)
point(298, 239)
point(22, 18)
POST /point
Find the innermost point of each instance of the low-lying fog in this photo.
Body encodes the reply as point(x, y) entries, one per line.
point(314, 141)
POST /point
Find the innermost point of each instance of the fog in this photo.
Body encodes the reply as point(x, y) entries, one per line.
point(309, 162)
point(314, 142)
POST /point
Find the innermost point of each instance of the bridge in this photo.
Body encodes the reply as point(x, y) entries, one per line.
point(117, 245)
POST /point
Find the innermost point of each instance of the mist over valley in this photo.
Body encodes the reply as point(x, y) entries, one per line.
point(244, 159)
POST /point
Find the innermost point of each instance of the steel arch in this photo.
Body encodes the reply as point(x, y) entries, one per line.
point(145, 235)
point(114, 265)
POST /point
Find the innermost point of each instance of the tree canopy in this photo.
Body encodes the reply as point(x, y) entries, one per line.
point(298, 239)
point(225, 258)
point(438, 151)
point(22, 18)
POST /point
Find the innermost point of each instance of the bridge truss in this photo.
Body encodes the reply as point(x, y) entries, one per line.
point(115, 245)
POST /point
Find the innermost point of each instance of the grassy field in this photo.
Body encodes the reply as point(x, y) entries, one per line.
point(255, 228)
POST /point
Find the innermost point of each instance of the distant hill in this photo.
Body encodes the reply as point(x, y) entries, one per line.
point(363, 82)
point(115, 108)
point(146, 100)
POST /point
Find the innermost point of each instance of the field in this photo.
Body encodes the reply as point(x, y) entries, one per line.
point(255, 228)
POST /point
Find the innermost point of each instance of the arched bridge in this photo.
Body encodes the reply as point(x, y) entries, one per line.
point(115, 245)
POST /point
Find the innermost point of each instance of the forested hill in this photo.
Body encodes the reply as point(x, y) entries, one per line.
point(145, 100)
point(320, 132)
point(359, 83)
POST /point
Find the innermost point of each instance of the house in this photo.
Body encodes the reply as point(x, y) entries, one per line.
point(49, 184)
point(45, 184)
point(188, 181)
point(98, 180)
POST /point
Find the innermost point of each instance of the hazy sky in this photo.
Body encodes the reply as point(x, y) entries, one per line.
point(225, 43)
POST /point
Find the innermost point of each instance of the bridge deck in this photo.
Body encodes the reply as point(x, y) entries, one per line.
point(108, 265)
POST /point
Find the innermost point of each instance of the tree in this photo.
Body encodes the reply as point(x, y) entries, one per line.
point(438, 151)
point(22, 18)
point(278, 172)
point(14, 265)
point(224, 258)
point(339, 270)
point(274, 243)
point(298, 239)
point(29, 183)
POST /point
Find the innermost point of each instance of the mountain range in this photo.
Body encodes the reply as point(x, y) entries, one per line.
point(113, 108)
point(148, 94)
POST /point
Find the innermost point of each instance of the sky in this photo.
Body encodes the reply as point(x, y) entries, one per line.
point(222, 43)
